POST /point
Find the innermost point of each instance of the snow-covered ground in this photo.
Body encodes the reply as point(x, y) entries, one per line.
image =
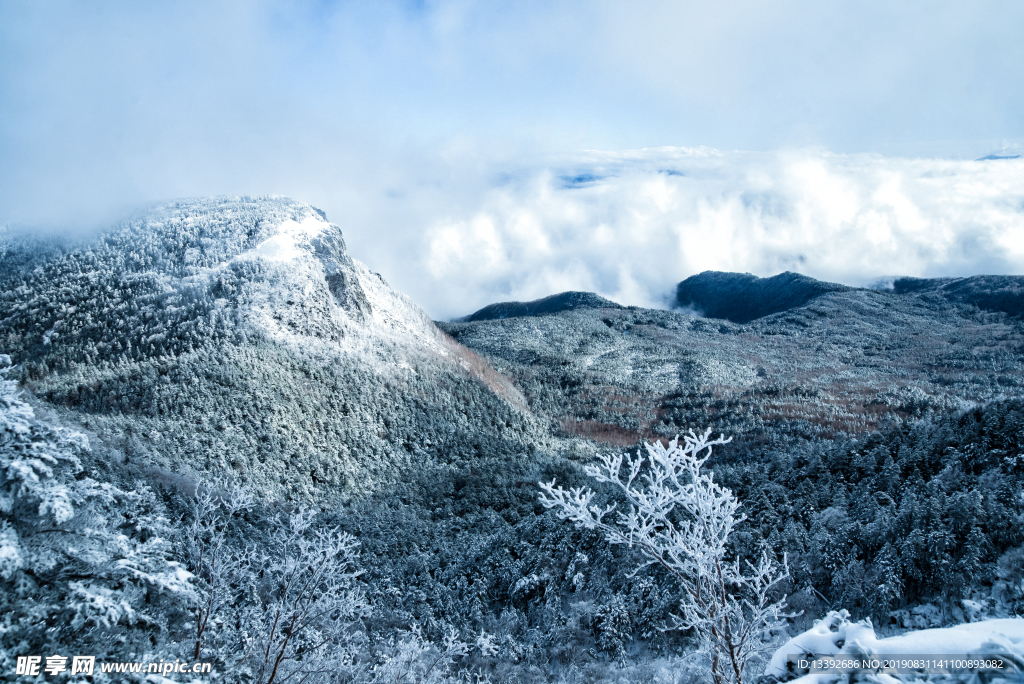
point(836, 635)
point(394, 314)
point(285, 245)
point(301, 264)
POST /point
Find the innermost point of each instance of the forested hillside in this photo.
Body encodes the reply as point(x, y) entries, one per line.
point(840, 362)
point(205, 338)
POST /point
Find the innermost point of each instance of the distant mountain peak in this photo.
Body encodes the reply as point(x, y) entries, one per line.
point(742, 297)
point(564, 301)
point(993, 157)
point(1002, 293)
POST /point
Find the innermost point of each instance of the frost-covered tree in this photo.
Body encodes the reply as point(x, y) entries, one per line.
point(220, 568)
point(81, 562)
point(283, 607)
point(301, 619)
point(680, 519)
point(411, 658)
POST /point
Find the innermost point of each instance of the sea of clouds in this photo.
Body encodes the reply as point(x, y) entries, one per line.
point(631, 225)
point(442, 136)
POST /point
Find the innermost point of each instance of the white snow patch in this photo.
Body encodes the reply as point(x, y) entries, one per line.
point(835, 635)
point(279, 248)
point(965, 638)
point(309, 227)
point(292, 239)
point(394, 312)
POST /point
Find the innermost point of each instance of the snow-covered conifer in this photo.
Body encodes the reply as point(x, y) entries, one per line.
point(79, 559)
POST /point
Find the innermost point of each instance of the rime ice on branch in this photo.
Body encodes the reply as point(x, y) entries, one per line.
point(681, 521)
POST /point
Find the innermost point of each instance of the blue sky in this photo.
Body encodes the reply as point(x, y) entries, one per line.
point(402, 119)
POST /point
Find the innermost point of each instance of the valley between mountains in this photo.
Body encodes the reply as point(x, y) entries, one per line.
point(232, 345)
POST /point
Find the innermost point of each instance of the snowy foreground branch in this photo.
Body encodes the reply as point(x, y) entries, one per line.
point(681, 521)
point(296, 600)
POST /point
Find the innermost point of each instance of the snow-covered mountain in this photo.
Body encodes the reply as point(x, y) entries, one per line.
point(787, 353)
point(318, 294)
point(236, 336)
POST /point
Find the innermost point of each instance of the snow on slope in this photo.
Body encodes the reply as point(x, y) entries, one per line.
point(319, 298)
point(395, 314)
point(971, 636)
point(836, 635)
point(285, 245)
point(318, 295)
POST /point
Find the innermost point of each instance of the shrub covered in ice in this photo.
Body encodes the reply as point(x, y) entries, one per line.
point(681, 520)
point(79, 558)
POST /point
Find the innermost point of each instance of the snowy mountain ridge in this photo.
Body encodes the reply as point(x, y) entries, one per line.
point(241, 331)
point(338, 297)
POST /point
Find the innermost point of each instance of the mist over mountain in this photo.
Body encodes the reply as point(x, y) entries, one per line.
point(630, 225)
point(212, 344)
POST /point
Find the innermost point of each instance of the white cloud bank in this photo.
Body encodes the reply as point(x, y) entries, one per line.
point(631, 225)
point(437, 133)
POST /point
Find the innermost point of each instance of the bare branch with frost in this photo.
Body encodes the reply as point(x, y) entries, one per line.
point(680, 519)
